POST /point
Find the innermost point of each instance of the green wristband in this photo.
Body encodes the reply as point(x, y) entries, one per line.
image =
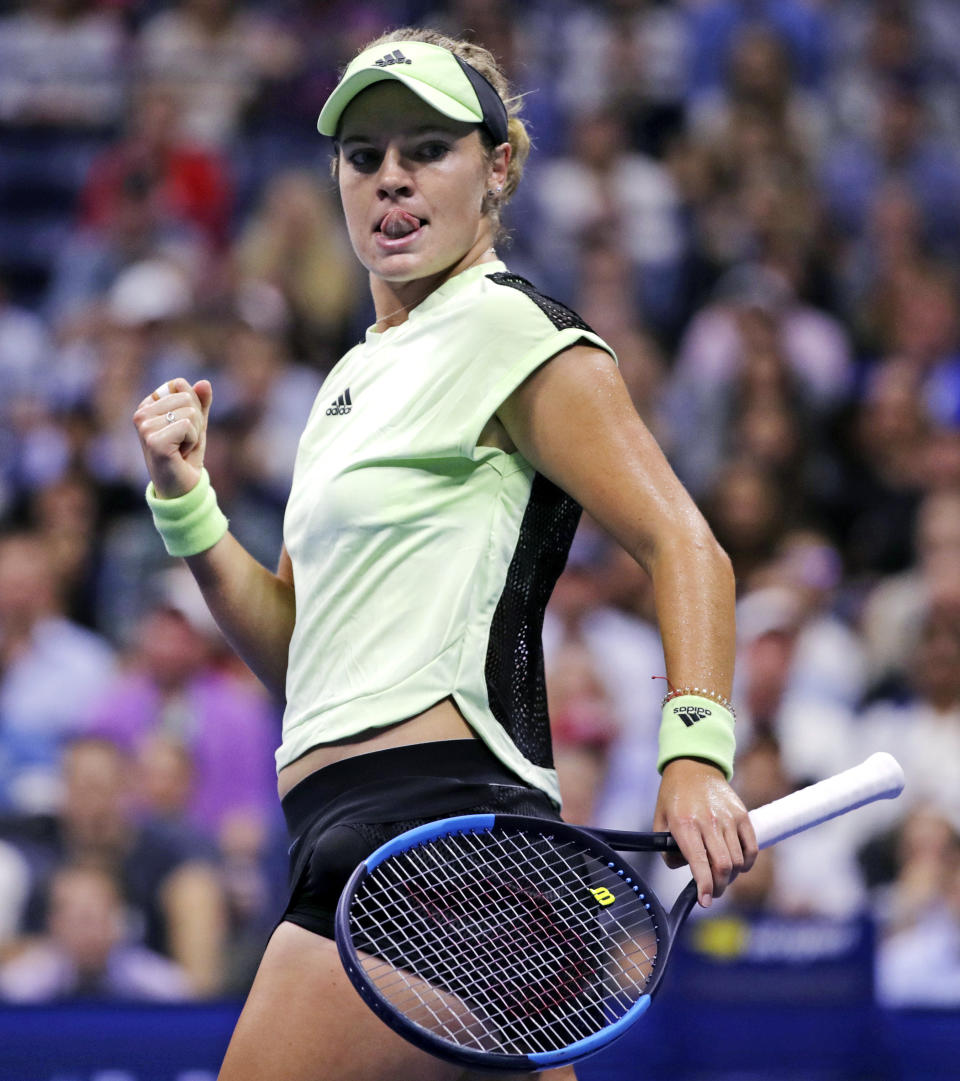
point(696, 727)
point(188, 523)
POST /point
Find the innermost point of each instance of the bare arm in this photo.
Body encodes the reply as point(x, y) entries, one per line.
point(253, 606)
point(574, 422)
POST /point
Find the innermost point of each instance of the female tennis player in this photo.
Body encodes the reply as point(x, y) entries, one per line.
point(437, 488)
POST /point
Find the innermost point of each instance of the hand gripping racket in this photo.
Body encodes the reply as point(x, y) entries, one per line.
point(502, 942)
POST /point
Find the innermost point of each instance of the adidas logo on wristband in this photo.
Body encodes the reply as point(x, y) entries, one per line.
point(691, 714)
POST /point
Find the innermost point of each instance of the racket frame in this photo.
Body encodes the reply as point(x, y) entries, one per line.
point(666, 924)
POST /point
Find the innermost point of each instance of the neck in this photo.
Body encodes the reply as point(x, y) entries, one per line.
point(393, 300)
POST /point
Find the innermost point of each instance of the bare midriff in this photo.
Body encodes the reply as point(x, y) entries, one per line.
point(440, 722)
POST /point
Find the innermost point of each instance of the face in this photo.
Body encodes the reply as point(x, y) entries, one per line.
point(86, 916)
point(413, 184)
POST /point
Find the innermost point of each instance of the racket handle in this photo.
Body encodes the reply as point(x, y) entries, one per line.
point(878, 777)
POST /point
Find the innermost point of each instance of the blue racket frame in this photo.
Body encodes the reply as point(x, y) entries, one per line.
point(666, 922)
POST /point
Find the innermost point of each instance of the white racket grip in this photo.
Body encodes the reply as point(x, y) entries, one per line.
point(877, 777)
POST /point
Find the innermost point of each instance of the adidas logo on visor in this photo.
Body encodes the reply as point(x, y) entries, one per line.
point(396, 57)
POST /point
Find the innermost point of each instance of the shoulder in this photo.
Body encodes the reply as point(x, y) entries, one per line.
point(522, 300)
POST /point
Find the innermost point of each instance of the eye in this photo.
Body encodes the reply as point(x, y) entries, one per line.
point(364, 159)
point(432, 151)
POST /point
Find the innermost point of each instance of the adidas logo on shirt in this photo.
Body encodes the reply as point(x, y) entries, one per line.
point(341, 406)
point(396, 57)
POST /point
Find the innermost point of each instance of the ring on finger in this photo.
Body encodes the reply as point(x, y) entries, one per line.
point(170, 416)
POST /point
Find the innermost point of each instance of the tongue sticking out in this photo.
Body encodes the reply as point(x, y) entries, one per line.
point(398, 223)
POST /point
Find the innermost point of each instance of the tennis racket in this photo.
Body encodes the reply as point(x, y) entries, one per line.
point(502, 942)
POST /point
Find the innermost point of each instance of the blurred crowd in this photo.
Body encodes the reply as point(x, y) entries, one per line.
point(757, 202)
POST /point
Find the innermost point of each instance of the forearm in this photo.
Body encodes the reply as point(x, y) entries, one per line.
point(253, 607)
point(695, 597)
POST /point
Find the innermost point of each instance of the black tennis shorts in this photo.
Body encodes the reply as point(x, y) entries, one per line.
point(337, 816)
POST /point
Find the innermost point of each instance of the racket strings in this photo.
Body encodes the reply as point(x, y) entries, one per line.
point(588, 924)
point(496, 940)
point(526, 918)
point(504, 1007)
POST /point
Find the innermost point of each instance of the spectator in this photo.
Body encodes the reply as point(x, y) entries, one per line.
point(876, 43)
point(172, 689)
point(51, 670)
point(85, 953)
point(830, 662)
point(630, 55)
point(926, 331)
point(601, 615)
point(264, 390)
point(24, 352)
point(583, 728)
point(759, 78)
point(146, 333)
point(920, 723)
point(747, 511)
point(168, 878)
point(61, 63)
point(811, 348)
point(14, 892)
point(716, 24)
point(92, 260)
point(883, 471)
point(605, 299)
point(25, 369)
point(901, 146)
point(190, 184)
point(627, 636)
point(918, 959)
point(166, 779)
point(871, 267)
point(896, 605)
point(783, 690)
point(602, 190)
point(295, 241)
point(254, 878)
point(214, 55)
point(67, 512)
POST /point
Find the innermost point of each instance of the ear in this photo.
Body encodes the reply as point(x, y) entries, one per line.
point(499, 165)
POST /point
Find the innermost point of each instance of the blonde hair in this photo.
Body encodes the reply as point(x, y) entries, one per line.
point(482, 60)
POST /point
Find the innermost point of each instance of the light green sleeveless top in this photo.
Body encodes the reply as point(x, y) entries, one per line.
point(422, 562)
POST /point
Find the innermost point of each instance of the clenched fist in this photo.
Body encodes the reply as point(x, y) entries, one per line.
point(172, 426)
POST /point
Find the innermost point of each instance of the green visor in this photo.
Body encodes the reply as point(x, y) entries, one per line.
point(444, 81)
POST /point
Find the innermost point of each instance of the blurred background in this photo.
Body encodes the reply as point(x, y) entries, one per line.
point(757, 203)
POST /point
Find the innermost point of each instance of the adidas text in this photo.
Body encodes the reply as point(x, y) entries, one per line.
point(691, 714)
point(396, 57)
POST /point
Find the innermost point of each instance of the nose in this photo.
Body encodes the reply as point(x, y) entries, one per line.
point(394, 178)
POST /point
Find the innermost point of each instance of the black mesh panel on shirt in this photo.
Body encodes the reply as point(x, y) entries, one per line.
point(516, 687)
point(559, 314)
